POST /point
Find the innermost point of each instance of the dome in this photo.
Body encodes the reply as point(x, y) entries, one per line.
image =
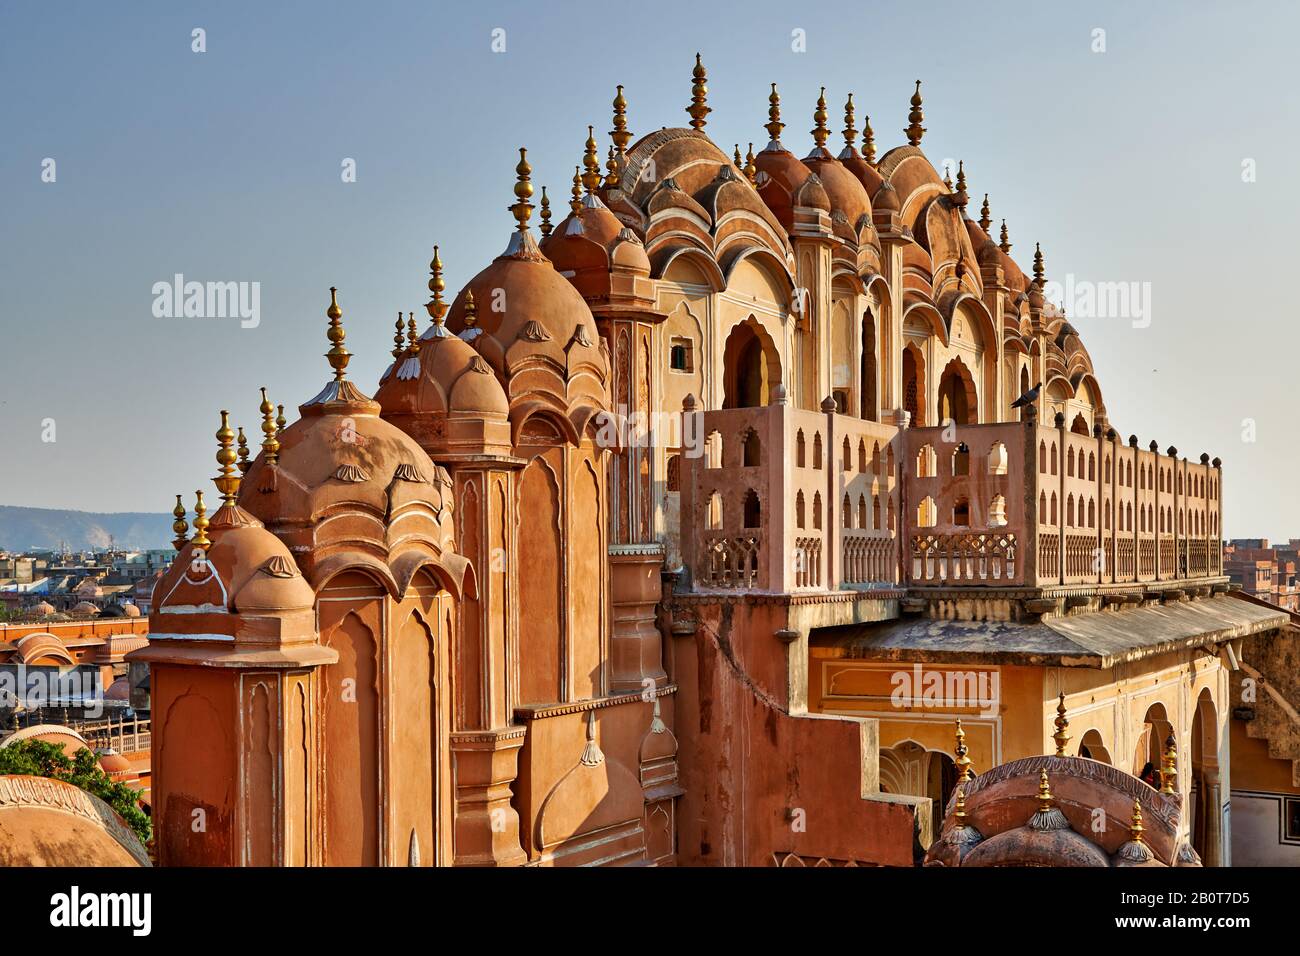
point(591, 243)
point(85, 607)
point(114, 764)
point(120, 690)
point(44, 609)
point(886, 198)
point(245, 568)
point(51, 734)
point(843, 190)
point(130, 610)
point(48, 822)
point(1045, 840)
point(686, 156)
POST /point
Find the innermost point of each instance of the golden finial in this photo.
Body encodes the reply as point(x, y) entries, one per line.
point(774, 124)
point(1038, 266)
point(471, 311)
point(435, 306)
point(611, 170)
point(179, 526)
point(270, 441)
point(1135, 828)
point(699, 92)
point(412, 336)
point(620, 134)
point(1062, 725)
point(227, 481)
point(399, 337)
point(244, 463)
point(960, 812)
point(985, 221)
point(962, 197)
point(947, 178)
point(546, 214)
point(590, 164)
point(200, 522)
point(819, 130)
point(1169, 767)
point(338, 356)
point(1004, 241)
point(751, 170)
point(868, 141)
point(850, 132)
point(736, 158)
point(963, 761)
point(280, 420)
point(575, 194)
point(522, 208)
point(1044, 791)
point(914, 128)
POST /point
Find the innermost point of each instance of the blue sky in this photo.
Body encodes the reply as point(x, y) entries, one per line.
point(225, 165)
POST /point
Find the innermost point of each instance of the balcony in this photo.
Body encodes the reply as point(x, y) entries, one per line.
point(784, 500)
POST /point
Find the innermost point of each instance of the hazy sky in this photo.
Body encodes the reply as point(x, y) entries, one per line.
point(1127, 165)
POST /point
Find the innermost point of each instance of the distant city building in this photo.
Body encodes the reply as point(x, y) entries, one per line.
point(1266, 571)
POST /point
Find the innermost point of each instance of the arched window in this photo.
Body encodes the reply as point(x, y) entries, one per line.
point(817, 511)
point(1092, 513)
point(1053, 521)
point(1042, 458)
point(798, 510)
point(862, 455)
point(817, 449)
point(862, 512)
point(753, 515)
point(1042, 507)
point(875, 512)
point(674, 480)
point(715, 512)
point(925, 462)
point(752, 449)
point(799, 449)
point(1069, 462)
point(1092, 467)
point(1053, 457)
point(847, 455)
point(997, 459)
point(961, 460)
point(846, 512)
point(926, 514)
point(961, 513)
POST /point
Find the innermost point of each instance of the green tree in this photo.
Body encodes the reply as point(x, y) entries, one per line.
point(39, 758)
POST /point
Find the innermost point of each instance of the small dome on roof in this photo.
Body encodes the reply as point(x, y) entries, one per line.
point(843, 190)
point(130, 610)
point(44, 608)
point(85, 607)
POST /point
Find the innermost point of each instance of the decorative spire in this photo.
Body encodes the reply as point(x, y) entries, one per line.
point(338, 356)
point(751, 170)
point(398, 336)
point(914, 128)
point(1169, 767)
point(546, 227)
point(522, 208)
point(699, 94)
point(412, 336)
point(819, 130)
point(962, 197)
point(280, 421)
point(179, 526)
point(611, 170)
point(227, 481)
point(736, 158)
point(1062, 725)
point(868, 141)
point(200, 522)
point(962, 761)
point(575, 194)
point(960, 813)
point(435, 306)
point(850, 131)
point(985, 221)
point(620, 134)
point(471, 311)
point(244, 463)
point(774, 124)
point(1004, 241)
point(1045, 801)
point(270, 440)
point(1135, 828)
point(1038, 267)
point(590, 164)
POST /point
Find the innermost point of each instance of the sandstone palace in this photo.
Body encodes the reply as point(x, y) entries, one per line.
point(757, 509)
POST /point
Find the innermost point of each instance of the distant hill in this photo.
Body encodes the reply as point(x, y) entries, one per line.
point(26, 529)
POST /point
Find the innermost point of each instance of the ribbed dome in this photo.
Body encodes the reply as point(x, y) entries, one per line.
point(845, 192)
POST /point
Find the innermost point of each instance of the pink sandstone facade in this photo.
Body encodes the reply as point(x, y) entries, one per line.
point(546, 597)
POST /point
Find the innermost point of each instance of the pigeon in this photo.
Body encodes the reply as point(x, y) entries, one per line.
point(1028, 398)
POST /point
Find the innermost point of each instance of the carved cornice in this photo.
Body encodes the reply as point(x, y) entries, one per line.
point(594, 703)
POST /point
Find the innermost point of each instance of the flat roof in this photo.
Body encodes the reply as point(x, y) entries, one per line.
point(1099, 639)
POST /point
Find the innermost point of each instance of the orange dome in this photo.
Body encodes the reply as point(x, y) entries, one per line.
point(844, 191)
